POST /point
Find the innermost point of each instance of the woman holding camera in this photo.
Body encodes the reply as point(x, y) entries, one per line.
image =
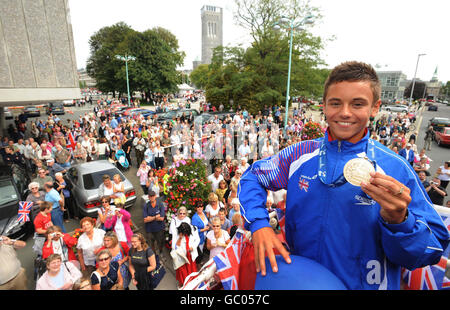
point(60, 275)
point(60, 243)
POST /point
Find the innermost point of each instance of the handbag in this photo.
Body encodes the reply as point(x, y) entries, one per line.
point(157, 274)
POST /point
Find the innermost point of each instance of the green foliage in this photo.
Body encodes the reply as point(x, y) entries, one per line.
point(257, 76)
point(154, 70)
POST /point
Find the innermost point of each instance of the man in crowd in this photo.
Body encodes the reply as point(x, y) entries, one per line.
point(436, 192)
point(154, 215)
point(12, 274)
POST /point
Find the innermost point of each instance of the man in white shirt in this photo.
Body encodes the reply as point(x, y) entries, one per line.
point(244, 149)
point(215, 178)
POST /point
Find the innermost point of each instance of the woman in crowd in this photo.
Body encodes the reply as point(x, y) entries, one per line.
point(62, 187)
point(119, 190)
point(103, 149)
point(107, 275)
point(119, 253)
point(217, 239)
point(60, 243)
point(152, 182)
point(79, 154)
point(176, 221)
point(88, 244)
point(36, 197)
point(200, 221)
point(82, 284)
point(159, 155)
point(142, 261)
point(120, 223)
point(107, 188)
point(143, 173)
point(186, 247)
point(212, 209)
point(59, 275)
point(104, 212)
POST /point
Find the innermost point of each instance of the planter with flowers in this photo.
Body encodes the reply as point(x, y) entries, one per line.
point(312, 130)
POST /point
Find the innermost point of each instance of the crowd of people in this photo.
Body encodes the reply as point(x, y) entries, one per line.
point(108, 254)
point(393, 130)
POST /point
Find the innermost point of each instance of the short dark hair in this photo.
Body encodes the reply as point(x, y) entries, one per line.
point(184, 229)
point(353, 71)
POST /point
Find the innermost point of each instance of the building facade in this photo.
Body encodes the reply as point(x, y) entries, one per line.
point(212, 31)
point(393, 84)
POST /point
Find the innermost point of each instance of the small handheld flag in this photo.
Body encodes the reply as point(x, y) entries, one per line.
point(24, 211)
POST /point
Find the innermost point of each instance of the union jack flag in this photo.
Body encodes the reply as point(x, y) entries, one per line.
point(430, 277)
point(72, 143)
point(227, 262)
point(24, 211)
point(197, 280)
point(303, 184)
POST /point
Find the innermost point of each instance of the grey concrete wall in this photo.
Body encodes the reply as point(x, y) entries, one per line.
point(37, 55)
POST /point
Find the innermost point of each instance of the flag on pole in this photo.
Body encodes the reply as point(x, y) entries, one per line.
point(24, 211)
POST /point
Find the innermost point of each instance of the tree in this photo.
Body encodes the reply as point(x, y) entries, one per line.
point(102, 64)
point(153, 70)
point(419, 90)
point(199, 76)
point(257, 76)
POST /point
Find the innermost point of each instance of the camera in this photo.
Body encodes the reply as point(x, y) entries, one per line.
point(52, 235)
point(1, 239)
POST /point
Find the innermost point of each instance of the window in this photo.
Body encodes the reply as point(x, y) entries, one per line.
point(93, 180)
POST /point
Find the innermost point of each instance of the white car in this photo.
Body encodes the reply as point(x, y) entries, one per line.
point(397, 108)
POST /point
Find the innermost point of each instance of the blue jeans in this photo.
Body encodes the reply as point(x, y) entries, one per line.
point(57, 218)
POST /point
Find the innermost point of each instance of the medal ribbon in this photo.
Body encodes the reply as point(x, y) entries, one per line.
point(370, 153)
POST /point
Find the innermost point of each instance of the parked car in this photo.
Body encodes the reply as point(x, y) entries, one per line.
point(443, 137)
point(439, 123)
point(175, 114)
point(31, 111)
point(8, 114)
point(432, 107)
point(56, 107)
point(13, 189)
point(86, 178)
point(397, 108)
point(69, 103)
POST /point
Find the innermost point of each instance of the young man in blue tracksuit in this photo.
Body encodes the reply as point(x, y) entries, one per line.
point(363, 234)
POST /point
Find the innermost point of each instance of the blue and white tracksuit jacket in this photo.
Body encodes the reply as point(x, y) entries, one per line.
point(341, 227)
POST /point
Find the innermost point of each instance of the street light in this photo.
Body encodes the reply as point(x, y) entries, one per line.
point(291, 25)
point(126, 58)
point(414, 80)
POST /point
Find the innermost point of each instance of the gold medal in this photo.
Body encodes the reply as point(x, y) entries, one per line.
point(358, 170)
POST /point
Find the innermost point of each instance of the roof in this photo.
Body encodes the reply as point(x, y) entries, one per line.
point(95, 165)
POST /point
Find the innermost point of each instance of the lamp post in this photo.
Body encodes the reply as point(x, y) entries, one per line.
point(291, 25)
point(414, 79)
point(126, 58)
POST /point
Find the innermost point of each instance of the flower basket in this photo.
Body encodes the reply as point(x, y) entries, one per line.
point(312, 130)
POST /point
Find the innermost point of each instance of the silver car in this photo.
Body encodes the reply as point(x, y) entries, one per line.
point(397, 108)
point(86, 178)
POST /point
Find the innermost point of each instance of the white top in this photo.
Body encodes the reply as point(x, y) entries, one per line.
point(210, 235)
point(88, 246)
point(173, 228)
point(215, 181)
point(445, 174)
point(120, 230)
point(213, 212)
